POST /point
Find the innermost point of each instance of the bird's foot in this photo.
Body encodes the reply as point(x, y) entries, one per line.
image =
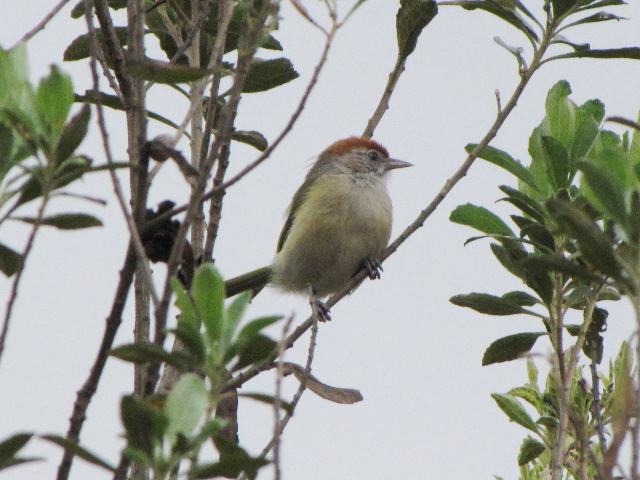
point(373, 267)
point(321, 311)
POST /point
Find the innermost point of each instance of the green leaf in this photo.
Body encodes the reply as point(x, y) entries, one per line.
point(600, 4)
point(560, 7)
point(595, 18)
point(150, 352)
point(186, 404)
point(504, 160)
point(78, 9)
point(595, 108)
point(509, 15)
point(143, 424)
point(80, 47)
point(184, 302)
point(632, 53)
point(515, 411)
point(608, 191)
point(481, 219)
point(593, 243)
point(10, 260)
point(510, 347)
point(251, 137)
point(488, 304)
point(235, 312)
point(557, 162)
point(114, 102)
point(256, 349)
point(254, 327)
point(164, 72)
point(560, 114)
point(73, 134)
point(233, 461)
point(530, 450)
point(520, 298)
point(78, 451)
point(9, 447)
point(267, 74)
point(268, 399)
point(65, 221)
point(412, 17)
point(586, 133)
point(524, 202)
point(528, 393)
point(53, 101)
point(555, 263)
point(191, 338)
point(209, 295)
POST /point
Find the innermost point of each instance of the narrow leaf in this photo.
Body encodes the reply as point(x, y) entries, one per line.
point(481, 219)
point(79, 451)
point(65, 221)
point(510, 347)
point(515, 411)
point(208, 294)
point(412, 17)
point(488, 304)
point(520, 298)
point(530, 450)
point(9, 447)
point(504, 160)
point(608, 191)
point(80, 47)
point(508, 15)
point(268, 399)
point(251, 137)
point(268, 74)
point(186, 404)
point(593, 243)
point(10, 260)
point(73, 134)
point(557, 162)
point(164, 72)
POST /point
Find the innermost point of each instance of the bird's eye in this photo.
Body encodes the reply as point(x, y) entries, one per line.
point(373, 155)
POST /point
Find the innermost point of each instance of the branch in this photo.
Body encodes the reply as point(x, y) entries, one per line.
point(42, 24)
point(13, 296)
point(227, 119)
point(383, 104)
point(85, 394)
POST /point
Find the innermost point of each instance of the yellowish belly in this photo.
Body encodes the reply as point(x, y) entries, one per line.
point(339, 224)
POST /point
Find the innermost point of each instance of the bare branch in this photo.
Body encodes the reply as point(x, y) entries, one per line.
point(13, 296)
point(112, 323)
point(42, 24)
point(383, 104)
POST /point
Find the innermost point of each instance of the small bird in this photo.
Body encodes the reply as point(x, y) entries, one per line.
point(338, 222)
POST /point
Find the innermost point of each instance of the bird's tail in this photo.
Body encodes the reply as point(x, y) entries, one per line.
point(255, 281)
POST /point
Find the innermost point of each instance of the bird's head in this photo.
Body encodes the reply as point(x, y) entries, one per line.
point(361, 155)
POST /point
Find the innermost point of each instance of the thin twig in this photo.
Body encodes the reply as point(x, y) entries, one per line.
point(267, 153)
point(115, 181)
point(597, 406)
point(277, 402)
point(85, 394)
point(419, 221)
point(227, 119)
point(13, 296)
point(42, 24)
point(301, 387)
point(383, 104)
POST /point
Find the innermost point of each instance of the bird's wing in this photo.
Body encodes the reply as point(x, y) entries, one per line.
point(293, 208)
point(316, 171)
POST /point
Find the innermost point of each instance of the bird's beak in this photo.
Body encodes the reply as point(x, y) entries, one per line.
point(393, 163)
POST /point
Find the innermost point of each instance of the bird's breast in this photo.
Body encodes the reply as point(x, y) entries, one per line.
point(342, 220)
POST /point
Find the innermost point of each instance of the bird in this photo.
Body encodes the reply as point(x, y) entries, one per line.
point(338, 222)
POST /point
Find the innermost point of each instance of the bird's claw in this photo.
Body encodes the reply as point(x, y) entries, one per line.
point(322, 311)
point(373, 267)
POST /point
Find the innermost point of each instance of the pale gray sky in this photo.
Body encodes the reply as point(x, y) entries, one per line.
point(427, 410)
